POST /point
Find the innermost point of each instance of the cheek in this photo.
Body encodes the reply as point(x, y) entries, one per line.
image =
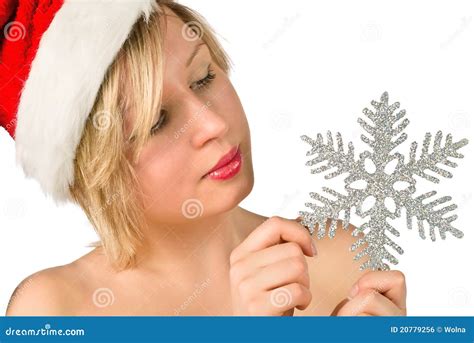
point(161, 182)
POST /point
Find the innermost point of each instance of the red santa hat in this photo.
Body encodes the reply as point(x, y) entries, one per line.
point(53, 57)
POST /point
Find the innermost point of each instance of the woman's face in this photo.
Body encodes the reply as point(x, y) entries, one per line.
point(203, 120)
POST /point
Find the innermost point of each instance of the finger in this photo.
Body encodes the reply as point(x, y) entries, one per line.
point(274, 230)
point(285, 298)
point(295, 269)
point(370, 302)
point(390, 283)
point(273, 254)
point(253, 263)
point(336, 309)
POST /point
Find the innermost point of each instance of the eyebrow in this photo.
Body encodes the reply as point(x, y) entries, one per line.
point(196, 50)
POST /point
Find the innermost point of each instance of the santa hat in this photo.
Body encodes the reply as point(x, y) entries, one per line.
point(53, 57)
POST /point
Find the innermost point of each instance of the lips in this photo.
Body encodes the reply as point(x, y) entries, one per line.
point(225, 159)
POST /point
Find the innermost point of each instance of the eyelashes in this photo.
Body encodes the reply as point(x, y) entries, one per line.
point(161, 121)
point(203, 83)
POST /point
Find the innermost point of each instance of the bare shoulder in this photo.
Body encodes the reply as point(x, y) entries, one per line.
point(49, 292)
point(42, 293)
point(334, 270)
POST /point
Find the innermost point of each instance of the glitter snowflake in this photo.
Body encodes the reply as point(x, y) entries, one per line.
point(382, 184)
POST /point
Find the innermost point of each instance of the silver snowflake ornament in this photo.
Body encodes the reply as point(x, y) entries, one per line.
point(391, 184)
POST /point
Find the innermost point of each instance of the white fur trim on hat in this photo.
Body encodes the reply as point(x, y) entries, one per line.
point(73, 56)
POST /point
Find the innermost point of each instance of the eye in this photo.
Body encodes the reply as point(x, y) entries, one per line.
point(161, 121)
point(206, 81)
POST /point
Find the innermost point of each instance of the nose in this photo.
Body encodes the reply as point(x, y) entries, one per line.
point(208, 124)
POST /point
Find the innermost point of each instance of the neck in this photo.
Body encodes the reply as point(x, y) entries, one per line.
point(196, 247)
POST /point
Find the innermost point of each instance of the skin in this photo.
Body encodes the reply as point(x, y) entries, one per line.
point(228, 261)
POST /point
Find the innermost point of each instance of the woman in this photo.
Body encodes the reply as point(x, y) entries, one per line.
point(163, 162)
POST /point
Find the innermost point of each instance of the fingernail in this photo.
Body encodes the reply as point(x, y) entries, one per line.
point(313, 246)
point(354, 291)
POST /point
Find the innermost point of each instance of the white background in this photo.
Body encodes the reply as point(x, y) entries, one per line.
point(304, 67)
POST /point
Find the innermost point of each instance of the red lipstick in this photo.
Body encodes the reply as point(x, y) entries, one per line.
point(228, 166)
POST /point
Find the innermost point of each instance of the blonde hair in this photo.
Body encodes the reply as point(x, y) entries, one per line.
point(105, 183)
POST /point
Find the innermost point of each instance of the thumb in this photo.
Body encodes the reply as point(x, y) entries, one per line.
point(339, 306)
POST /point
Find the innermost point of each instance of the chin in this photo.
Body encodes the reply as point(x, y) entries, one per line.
point(224, 196)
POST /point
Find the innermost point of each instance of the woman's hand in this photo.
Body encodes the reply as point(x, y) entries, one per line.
point(376, 293)
point(268, 270)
